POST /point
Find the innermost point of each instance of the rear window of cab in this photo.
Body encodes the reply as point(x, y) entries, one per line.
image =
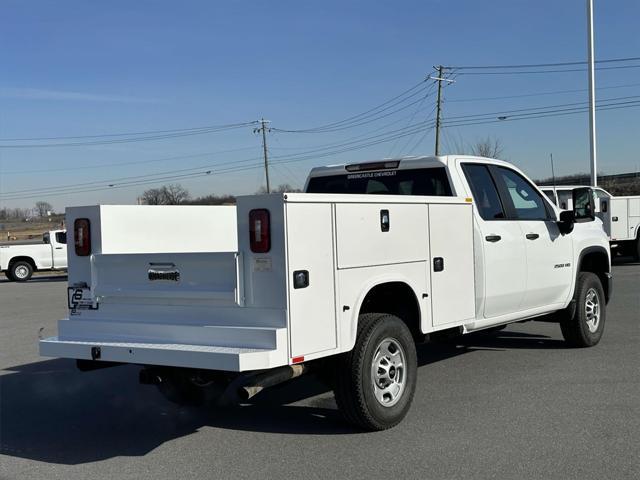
point(419, 181)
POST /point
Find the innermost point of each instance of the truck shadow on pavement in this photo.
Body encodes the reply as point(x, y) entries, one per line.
point(40, 279)
point(51, 412)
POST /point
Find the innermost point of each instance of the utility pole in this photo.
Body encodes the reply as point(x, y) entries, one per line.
point(592, 96)
point(439, 79)
point(263, 128)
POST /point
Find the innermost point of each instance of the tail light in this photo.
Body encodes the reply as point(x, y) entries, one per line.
point(82, 236)
point(259, 230)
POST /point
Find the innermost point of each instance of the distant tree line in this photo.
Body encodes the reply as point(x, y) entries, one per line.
point(176, 194)
point(617, 185)
point(41, 209)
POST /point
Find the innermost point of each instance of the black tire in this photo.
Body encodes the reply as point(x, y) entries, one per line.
point(581, 329)
point(21, 271)
point(355, 387)
point(7, 273)
point(635, 250)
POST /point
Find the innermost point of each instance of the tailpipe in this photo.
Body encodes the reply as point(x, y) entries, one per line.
point(270, 378)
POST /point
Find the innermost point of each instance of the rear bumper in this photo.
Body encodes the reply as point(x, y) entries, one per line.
point(233, 359)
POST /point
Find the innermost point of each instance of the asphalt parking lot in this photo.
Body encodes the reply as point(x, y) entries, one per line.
point(511, 404)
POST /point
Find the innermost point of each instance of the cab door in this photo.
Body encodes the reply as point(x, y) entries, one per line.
point(549, 253)
point(504, 264)
point(58, 244)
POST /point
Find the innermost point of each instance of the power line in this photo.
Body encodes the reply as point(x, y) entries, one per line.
point(542, 65)
point(126, 134)
point(530, 72)
point(546, 107)
point(349, 121)
point(131, 139)
point(538, 94)
point(119, 180)
point(109, 165)
point(552, 113)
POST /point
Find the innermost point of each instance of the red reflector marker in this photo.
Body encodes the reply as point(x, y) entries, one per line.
point(260, 230)
point(82, 236)
point(297, 360)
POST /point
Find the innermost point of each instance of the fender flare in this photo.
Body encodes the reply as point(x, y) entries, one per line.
point(583, 253)
point(364, 291)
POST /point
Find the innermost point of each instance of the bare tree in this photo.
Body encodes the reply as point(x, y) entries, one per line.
point(153, 196)
point(175, 194)
point(490, 147)
point(43, 208)
point(282, 188)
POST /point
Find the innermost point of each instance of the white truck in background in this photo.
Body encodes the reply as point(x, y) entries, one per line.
point(620, 216)
point(343, 279)
point(18, 262)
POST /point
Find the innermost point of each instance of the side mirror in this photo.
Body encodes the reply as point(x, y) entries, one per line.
point(584, 209)
point(567, 219)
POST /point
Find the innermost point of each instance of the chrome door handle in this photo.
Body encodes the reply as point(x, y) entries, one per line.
point(532, 236)
point(493, 238)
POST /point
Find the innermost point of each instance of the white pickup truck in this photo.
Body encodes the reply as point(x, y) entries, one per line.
point(18, 262)
point(343, 279)
point(620, 216)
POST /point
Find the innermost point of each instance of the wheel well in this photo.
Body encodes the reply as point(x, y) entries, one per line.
point(395, 298)
point(597, 262)
point(29, 260)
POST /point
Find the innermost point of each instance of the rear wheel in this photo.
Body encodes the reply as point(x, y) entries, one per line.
point(21, 271)
point(376, 381)
point(586, 326)
point(635, 250)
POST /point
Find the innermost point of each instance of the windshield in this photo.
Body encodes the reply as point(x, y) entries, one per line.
point(419, 181)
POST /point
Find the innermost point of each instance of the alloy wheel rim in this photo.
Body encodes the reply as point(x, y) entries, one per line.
point(22, 272)
point(388, 372)
point(592, 310)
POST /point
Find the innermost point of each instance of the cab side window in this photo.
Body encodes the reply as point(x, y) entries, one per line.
point(61, 237)
point(485, 193)
point(528, 204)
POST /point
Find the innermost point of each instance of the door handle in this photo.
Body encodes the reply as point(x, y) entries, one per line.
point(532, 236)
point(493, 238)
point(58, 248)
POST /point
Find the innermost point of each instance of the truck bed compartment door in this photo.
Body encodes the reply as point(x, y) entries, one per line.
point(312, 312)
point(452, 265)
point(619, 219)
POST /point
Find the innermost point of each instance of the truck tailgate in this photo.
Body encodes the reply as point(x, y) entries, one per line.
point(167, 278)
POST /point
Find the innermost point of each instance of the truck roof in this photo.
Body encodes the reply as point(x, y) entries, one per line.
point(404, 163)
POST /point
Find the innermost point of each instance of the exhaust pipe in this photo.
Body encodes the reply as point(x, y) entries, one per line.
point(259, 382)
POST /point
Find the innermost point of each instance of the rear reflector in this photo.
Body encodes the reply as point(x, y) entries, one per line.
point(259, 230)
point(297, 360)
point(82, 236)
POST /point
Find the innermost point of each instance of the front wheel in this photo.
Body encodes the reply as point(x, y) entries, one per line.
point(586, 326)
point(376, 381)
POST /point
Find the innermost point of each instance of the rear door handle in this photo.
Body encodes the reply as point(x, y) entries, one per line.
point(493, 238)
point(58, 248)
point(532, 236)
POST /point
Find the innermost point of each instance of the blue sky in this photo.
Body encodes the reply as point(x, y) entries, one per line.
point(73, 68)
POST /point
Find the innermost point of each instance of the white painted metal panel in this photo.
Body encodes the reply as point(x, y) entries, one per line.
point(312, 313)
point(550, 269)
point(120, 276)
point(452, 289)
point(361, 241)
point(168, 228)
point(619, 219)
point(634, 207)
